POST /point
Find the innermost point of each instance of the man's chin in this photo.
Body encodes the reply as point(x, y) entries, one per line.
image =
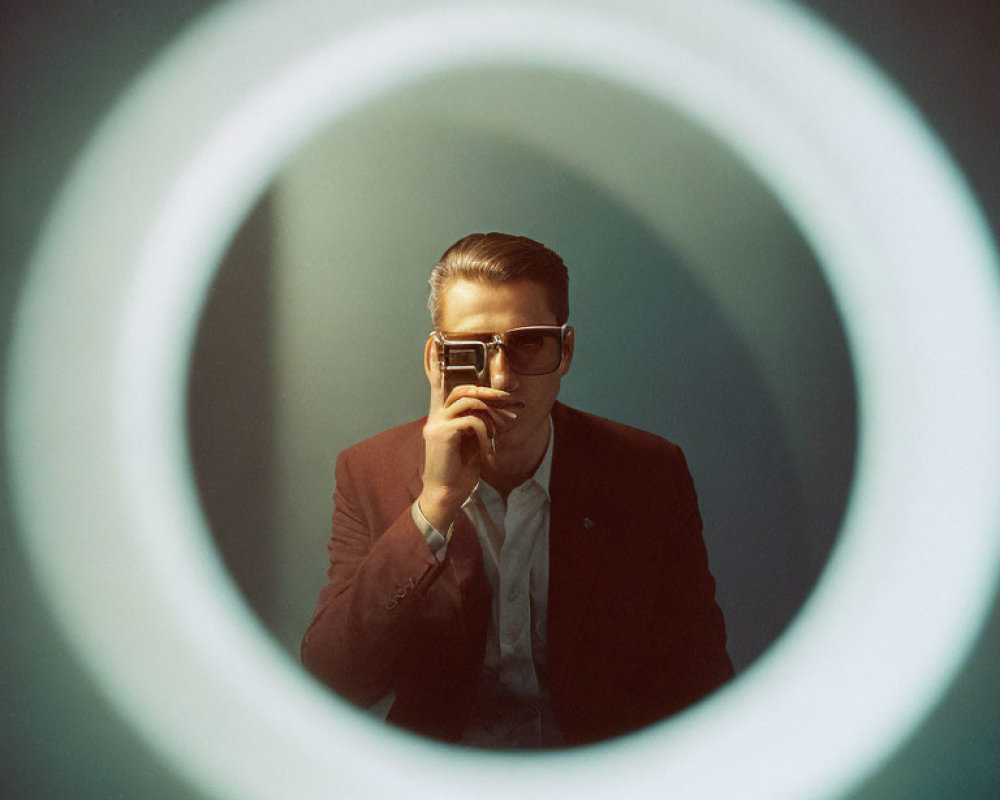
point(516, 433)
point(505, 435)
point(510, 433)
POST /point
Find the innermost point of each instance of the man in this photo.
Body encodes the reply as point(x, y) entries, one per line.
point(509, 572)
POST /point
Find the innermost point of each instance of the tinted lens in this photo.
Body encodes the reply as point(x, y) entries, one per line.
point(533, 351)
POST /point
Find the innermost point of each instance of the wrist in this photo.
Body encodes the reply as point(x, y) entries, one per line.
point(439, 508)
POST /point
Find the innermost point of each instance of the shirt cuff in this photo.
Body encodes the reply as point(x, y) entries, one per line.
point(437, 542)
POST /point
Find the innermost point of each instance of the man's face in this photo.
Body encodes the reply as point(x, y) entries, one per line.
point(483, 307)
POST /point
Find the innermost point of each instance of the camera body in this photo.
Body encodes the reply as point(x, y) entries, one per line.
point(461, 362)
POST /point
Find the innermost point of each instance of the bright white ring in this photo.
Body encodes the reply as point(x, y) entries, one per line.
point(142, 595)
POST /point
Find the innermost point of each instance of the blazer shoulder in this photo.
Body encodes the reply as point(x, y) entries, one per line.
point(400, 447)
point(604, 435)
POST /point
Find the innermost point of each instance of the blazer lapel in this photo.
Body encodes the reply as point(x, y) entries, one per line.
point(574, 537)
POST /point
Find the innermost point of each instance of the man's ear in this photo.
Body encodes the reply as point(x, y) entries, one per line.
point(568, 344)
point(430, 361)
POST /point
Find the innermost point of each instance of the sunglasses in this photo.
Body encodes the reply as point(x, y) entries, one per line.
point(532, 350)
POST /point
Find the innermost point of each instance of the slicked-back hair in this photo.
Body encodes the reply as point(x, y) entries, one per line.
point(501, 258)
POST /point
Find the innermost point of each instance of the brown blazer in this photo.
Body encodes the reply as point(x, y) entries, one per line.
point(634, 631)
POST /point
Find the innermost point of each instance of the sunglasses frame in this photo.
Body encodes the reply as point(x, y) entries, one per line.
point(497, 340)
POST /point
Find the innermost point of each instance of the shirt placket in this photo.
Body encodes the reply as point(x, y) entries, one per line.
point(513, 593)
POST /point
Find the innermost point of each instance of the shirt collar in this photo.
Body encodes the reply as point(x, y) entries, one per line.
point(541, 476)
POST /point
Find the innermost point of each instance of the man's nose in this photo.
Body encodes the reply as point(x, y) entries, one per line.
point(501, 375)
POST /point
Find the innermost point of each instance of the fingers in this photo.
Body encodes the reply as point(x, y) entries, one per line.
point(469, 397)
point(460, 435)
point(483, 433)
point(498, 419)
point(447, 423)
point(464, 405)
point(485, 393)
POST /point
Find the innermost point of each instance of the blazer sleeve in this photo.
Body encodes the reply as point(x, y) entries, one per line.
point(365, 615)
point(704, 633)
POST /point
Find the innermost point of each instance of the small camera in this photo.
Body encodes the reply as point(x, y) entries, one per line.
point(461, 362)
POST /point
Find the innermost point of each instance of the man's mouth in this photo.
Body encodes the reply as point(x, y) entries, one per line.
point(505, 422)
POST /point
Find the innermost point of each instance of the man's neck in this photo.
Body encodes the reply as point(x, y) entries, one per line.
point(514, 467)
